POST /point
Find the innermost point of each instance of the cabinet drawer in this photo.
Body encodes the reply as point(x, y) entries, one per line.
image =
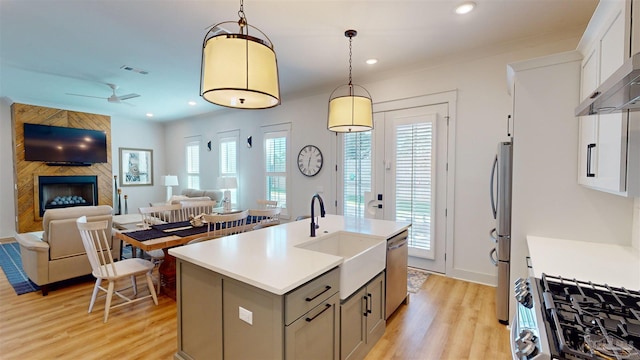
point(309, 295)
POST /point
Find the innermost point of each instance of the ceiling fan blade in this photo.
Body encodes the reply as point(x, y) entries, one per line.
point(128, 96)
point(95, 97)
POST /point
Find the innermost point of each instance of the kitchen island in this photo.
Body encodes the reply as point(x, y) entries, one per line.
point(256, 294)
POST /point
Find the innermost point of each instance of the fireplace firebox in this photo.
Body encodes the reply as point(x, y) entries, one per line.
point(65, 191)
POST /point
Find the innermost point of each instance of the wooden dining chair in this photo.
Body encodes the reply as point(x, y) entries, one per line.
point(260, 218)
point(266, 204)
point(96, 237)
point(154, 215)
point(161, 214)
point(226, 224)
point(196, 207)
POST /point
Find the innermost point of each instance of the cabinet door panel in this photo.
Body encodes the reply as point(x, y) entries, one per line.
point(612, 54)
point(587, 152)
point(612, 149)
point(352, 331)
point(315, 338)
point(375, 318)
point(589, 75)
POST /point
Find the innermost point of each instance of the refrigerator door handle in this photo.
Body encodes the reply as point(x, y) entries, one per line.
point(493, 259)
point(493, 200)
point(493, 235)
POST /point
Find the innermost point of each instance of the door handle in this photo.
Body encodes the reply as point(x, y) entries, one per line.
point(326, 307)
point(494, 260)
point(326, 288)
point(366, 305)
point(589, 156)
point(494, 210)
point(397, 245)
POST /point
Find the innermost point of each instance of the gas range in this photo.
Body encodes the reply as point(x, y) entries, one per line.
point(560, 318)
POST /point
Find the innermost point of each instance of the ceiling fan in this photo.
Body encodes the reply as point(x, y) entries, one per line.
point(113, 98)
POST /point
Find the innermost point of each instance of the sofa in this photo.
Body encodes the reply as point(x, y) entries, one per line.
point(216, 195)
point(57, 252)
point(193, 194)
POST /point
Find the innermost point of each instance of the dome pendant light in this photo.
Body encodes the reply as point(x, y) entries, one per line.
point(239, 70)
point(350, 106)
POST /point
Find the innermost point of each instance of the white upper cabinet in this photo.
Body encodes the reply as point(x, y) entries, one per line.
point(604, 142)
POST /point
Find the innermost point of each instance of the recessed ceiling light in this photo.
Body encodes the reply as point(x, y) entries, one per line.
point(149, 115)
point(372, 61)
point(465, 8)
point(192, 103)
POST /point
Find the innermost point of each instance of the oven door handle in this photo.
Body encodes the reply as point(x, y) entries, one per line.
point(494, 259)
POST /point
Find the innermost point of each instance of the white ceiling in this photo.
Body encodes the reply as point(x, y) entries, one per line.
point(50, 48)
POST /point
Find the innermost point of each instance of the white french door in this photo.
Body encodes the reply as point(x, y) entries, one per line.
point(414, 179)
point(399, 172)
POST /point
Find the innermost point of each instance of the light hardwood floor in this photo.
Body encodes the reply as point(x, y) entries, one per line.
point(446, 319)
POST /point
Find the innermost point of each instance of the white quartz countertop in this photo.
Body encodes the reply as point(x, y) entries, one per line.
point(600, 263)
point(269, 259)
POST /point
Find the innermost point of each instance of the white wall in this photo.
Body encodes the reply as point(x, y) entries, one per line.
point(483, 106)
point(139, 134)
point(7, 193)
point(307, 117)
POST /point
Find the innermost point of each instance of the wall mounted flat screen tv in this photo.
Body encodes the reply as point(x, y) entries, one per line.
point(63, 145)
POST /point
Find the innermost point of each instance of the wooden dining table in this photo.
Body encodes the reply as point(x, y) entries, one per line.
point(164, 236)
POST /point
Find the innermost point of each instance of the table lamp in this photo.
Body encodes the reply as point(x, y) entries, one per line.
point(227, 183)
point(169, 181)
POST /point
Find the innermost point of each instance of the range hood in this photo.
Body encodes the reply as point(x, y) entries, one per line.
point(621, 91)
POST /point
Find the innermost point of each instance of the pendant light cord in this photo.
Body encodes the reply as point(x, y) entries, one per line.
point(243, 19)
point(350, 40)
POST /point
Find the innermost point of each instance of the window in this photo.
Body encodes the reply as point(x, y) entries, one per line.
point(193, 162)
point(276, 154)
point(357, 172)
point(229, 158)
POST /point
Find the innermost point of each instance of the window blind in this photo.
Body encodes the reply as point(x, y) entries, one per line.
point(193, 164)
point(276, 166)
point(414, 180)
point(357, 172)
point(229, 160)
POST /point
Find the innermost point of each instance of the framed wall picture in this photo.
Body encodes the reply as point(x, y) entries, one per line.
point(136, 167)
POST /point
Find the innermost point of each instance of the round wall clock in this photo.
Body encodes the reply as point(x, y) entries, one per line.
point(310, 160)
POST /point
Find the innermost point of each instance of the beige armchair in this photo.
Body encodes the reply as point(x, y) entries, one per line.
point(57, 253)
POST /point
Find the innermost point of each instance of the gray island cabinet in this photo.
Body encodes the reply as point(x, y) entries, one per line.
point(263, 295)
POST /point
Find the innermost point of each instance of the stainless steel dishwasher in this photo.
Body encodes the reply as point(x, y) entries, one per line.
point(397, 258)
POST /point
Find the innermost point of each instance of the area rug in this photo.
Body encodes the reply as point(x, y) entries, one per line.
point(11, 264)
point(415, 279)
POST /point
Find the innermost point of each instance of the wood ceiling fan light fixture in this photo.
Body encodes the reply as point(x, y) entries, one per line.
point(239, 70)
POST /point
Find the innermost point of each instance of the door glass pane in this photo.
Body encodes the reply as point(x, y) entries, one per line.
point(414, 144)
point(193, 164)
point(357, 172)
point(276, 167)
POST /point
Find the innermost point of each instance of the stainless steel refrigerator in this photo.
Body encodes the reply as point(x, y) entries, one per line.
point(500, 255)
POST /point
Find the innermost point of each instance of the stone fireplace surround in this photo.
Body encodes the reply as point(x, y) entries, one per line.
point(54, 192)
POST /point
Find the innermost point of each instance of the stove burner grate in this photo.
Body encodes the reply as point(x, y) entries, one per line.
point(610, 347)
point(591, 321)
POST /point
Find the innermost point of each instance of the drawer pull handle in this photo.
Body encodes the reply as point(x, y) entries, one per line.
point(369, 304)
point(326, 288)
point(326, 307)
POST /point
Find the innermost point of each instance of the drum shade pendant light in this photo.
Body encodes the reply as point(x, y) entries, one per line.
point(350, 106)
point(239, 70)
